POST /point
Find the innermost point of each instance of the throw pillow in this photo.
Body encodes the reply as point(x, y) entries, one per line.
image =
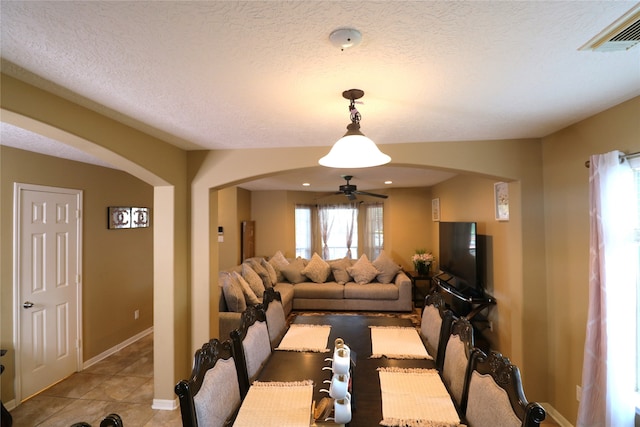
point(387, 268)
point(339, 269)
point(363, 271)
point(273, 276)
point(258, 268)
point(293, 271)
point(317, 269)
point(252, 278)
point(233, 294)
point(249, 296)
point(278, 261)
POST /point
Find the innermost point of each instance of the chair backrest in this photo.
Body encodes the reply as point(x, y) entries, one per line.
point(457, 356)
point(494, 396)
point(435, 326)
point(112, 420)
point(211, 396)
point(251, 342)
point(274, 311)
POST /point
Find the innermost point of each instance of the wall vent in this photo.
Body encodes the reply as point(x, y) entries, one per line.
point(622, 35)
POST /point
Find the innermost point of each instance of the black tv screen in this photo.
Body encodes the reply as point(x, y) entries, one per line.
point(459, 256)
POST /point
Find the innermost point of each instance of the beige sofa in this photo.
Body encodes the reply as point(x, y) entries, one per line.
point(351, 285)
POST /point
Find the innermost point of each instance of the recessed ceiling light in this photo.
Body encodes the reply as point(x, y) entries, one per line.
point(306, 184)
point(388, 182)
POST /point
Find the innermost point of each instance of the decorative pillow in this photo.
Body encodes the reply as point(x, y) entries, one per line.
point(273, 276)
point(317, 269)
point(278, 261)
point(258, 268)
point(387, 268)
point(363, 271)
point(249, 296)
point(233, 295)
point(339, 269)
point(293, 271)
point(252, 278)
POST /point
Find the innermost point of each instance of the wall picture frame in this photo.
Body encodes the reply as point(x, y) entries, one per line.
point(435, 209)
point(119, 217)
point(501, 200)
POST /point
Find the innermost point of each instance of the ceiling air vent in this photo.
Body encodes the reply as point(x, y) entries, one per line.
point(623, 34)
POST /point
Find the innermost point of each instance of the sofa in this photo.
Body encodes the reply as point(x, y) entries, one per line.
point(313, 284)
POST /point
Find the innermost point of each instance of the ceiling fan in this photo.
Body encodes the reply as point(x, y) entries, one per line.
point(350, 190)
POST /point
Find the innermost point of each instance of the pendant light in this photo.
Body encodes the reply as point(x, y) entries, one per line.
point(354, 150)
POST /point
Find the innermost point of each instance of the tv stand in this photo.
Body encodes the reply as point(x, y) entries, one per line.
point(461, 303)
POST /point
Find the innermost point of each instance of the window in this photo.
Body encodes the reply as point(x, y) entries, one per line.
point(336, 231)
point(303, 231)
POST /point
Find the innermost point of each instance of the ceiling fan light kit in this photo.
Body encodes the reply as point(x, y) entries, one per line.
point(354, 150)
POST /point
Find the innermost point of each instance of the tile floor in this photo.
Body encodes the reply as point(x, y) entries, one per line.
point(121, 383)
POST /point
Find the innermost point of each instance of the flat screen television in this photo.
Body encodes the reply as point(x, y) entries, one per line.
point(459, 256)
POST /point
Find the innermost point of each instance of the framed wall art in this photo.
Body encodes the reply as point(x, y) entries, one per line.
point(120, 217)
point(501, 198)
point(435, 209)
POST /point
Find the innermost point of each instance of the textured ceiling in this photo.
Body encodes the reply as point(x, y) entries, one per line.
point(226, 74)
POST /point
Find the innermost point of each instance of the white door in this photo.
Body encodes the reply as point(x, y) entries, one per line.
point(48, 281)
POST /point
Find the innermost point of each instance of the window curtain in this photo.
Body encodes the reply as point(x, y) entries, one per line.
point(325, 222)
point(343, 215)
point(373, 224)
point(609, 370)
point(350, 226)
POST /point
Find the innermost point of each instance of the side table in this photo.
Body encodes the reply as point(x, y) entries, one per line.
point(418, 293)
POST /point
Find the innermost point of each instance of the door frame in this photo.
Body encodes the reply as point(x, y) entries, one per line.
point(18, 188)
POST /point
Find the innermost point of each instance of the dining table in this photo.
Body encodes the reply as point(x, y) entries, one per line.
point(354, 329)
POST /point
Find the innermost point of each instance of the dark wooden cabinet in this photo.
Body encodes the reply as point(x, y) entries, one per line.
point(248, 245)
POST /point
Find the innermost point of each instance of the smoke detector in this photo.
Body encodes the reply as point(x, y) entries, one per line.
point(345, 38)
point(621, 35)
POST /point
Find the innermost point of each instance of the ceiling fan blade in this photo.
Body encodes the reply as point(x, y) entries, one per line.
point(364, 193)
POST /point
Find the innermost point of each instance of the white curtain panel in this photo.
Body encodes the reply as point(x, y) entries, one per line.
point(609, 369)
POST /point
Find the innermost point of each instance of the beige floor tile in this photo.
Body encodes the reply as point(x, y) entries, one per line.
point(38, 409)
point(116, 388)
point(76, 386)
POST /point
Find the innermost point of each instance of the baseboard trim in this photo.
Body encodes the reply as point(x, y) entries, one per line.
point(165, 404)
point(557, 416)
point(10, 405)
point(116, 348)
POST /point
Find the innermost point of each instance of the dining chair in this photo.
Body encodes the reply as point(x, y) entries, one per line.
point(112, 420)
point(457, 355)
point(274, 311)
point(435, 325)
point(251, 343)
point(211, 396)
point(494, 395)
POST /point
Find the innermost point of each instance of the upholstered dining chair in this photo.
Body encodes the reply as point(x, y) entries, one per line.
point(276, 320)
point(457, 357)
point(112, 420)
point(211, 396)
point(494, 394)
point(435, 325)
point(251, 343)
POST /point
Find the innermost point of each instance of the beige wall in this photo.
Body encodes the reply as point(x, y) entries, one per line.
point(117, 264)
point(151, 160)
point(407, 218)
point(566, 200)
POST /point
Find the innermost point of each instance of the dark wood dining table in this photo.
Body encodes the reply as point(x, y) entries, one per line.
point(354, 330)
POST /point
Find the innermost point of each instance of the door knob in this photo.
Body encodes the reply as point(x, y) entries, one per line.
point(27, 304)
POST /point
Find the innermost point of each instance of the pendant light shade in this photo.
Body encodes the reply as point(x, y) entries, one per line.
point(354, 150)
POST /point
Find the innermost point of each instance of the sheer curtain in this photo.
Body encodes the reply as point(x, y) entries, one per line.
point(373, 226)
point(609, 370)
point(325, 220)
point(337, 221)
